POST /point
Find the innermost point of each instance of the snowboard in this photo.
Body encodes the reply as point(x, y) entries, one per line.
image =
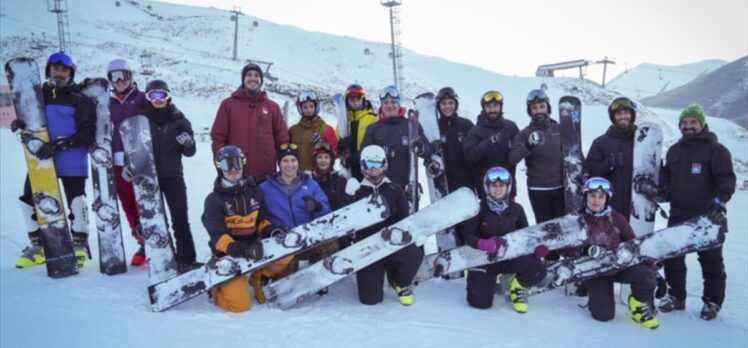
point(338, 103)
point(105, 206)
point(344, 221)
point(570, 119)
point(136, 139)
point(647, 152)
point(413, 136)
point(564, 232)
point(696, 234)
point(416, 228)
point(26, 89)
point(286, 105)
point(435, 168)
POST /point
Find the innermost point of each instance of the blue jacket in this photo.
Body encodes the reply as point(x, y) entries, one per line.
point(288, 209)
point(71, 115)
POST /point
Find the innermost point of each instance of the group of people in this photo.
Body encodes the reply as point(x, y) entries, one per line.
point(271, 178)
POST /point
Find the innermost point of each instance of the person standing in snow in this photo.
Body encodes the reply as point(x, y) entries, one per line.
point(400, 267)
point(697, 178)
point(487, 143)
point(71, 122)
point(498, 216)
point(125, 101)
point(251, 121)
point(311, 130)
point(453, 130)
point(359, 115)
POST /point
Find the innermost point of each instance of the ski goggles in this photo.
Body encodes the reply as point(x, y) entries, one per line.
point(598, 183)
point(157, 94)
point(230, 164)
point(389, 91)
point(286, 146)
point(119, 75)
point(322, 145)
point(355, 91)
point(492, 96)
point(307, 96)
point(498, 174)
point(622, 103)
point(373, 164)
point(536, 95)
point(60, 58)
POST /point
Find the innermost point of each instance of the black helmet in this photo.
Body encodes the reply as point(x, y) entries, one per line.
point(622, 103)
point(537, 95)
point(157, 84)
point(449, 93)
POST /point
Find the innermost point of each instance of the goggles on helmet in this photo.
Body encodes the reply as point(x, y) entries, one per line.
point(373, 163)
point(492, 96)
point(598, 183)
point(622, 103)
point(119, 75)
point(389, 91)
point(157, 94)
point(307, 96)
point(354, 91)
point(286, 146)
point(231, 163)
point(498, 174)
point(536, 95)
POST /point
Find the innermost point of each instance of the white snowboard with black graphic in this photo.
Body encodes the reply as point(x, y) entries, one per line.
point(647, 152)
point(570, 119)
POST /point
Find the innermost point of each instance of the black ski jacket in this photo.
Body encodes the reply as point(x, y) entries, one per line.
point(397, 203)
point(489, 224)
point(334, 187)
point(481, 154)
point(392, 135)
point(697, 169)
point(453, 131)
point(166, 124)
point(544, 161)
point(619, 144)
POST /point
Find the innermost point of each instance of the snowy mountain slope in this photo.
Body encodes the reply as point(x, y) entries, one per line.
point(646, 80)
point(190, 48)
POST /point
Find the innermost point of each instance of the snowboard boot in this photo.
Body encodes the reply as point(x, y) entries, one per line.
point(405, 295)
point(518, 296)
point(671, 303)
point(139, 259)
point(31, 256)
point(80, 248)
point(257, 280)
point(710, 310)
point(643, 313)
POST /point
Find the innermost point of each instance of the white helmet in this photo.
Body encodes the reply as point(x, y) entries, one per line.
point(118, 64)
point(373, 156)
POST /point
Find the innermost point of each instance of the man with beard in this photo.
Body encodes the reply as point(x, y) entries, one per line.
point(611, 154)
point(697, 178)
point(487, 143)
point(71, 122)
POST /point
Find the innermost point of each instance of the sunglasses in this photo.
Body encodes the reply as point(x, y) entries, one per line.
point(157, 94)
point(373, 164)
point(498, 174)
point(493, 96)
point(389, 91)
point(286, 146)
point(119, 75)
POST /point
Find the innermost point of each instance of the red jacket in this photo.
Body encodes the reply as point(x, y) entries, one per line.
point(254, 125)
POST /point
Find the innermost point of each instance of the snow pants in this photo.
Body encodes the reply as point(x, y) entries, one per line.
point(401, 268)
point(548, 205)
point(481, 281)
point(233, 295)
point(602, 302)
point(712, 271)
point(175, 193)
point(126, 195)
point(74, 186)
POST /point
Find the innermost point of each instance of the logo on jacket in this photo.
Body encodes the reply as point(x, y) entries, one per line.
point(265, 110)
point(695, 168)
point(230, 209)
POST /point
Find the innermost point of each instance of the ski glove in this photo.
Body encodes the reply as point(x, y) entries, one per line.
point(247, 250)
point(185, 139)
point(497, 138)
point(273, 230)
point(49, 149)
point(316, 139)
point(127, 173)
point(17, 124)
point(417, 147)
point(535, 138)
point(719, 213)
point(615, 160)
point(489, 245)
point(311, 205)
point(351, 186)
point(647, 187)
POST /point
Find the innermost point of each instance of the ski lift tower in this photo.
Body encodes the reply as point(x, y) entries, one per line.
point(60, 7)
point(396, 53)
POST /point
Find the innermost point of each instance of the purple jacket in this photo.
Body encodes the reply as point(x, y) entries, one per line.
point(121, 110)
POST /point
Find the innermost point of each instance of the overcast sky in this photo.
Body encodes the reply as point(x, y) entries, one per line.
point(513, 37)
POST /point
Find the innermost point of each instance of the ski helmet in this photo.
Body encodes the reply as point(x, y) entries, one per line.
point(448, 93)
point(118, 65)
point(229, 158)
point(306, 96)
point(373, 157)
point(157, 84)
point(536, 96)
point(355, 90)
point(491, 96)
point(389, 91)
point(622, 102)
point(598, 183)
point(498, 174)
point(63, 59)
